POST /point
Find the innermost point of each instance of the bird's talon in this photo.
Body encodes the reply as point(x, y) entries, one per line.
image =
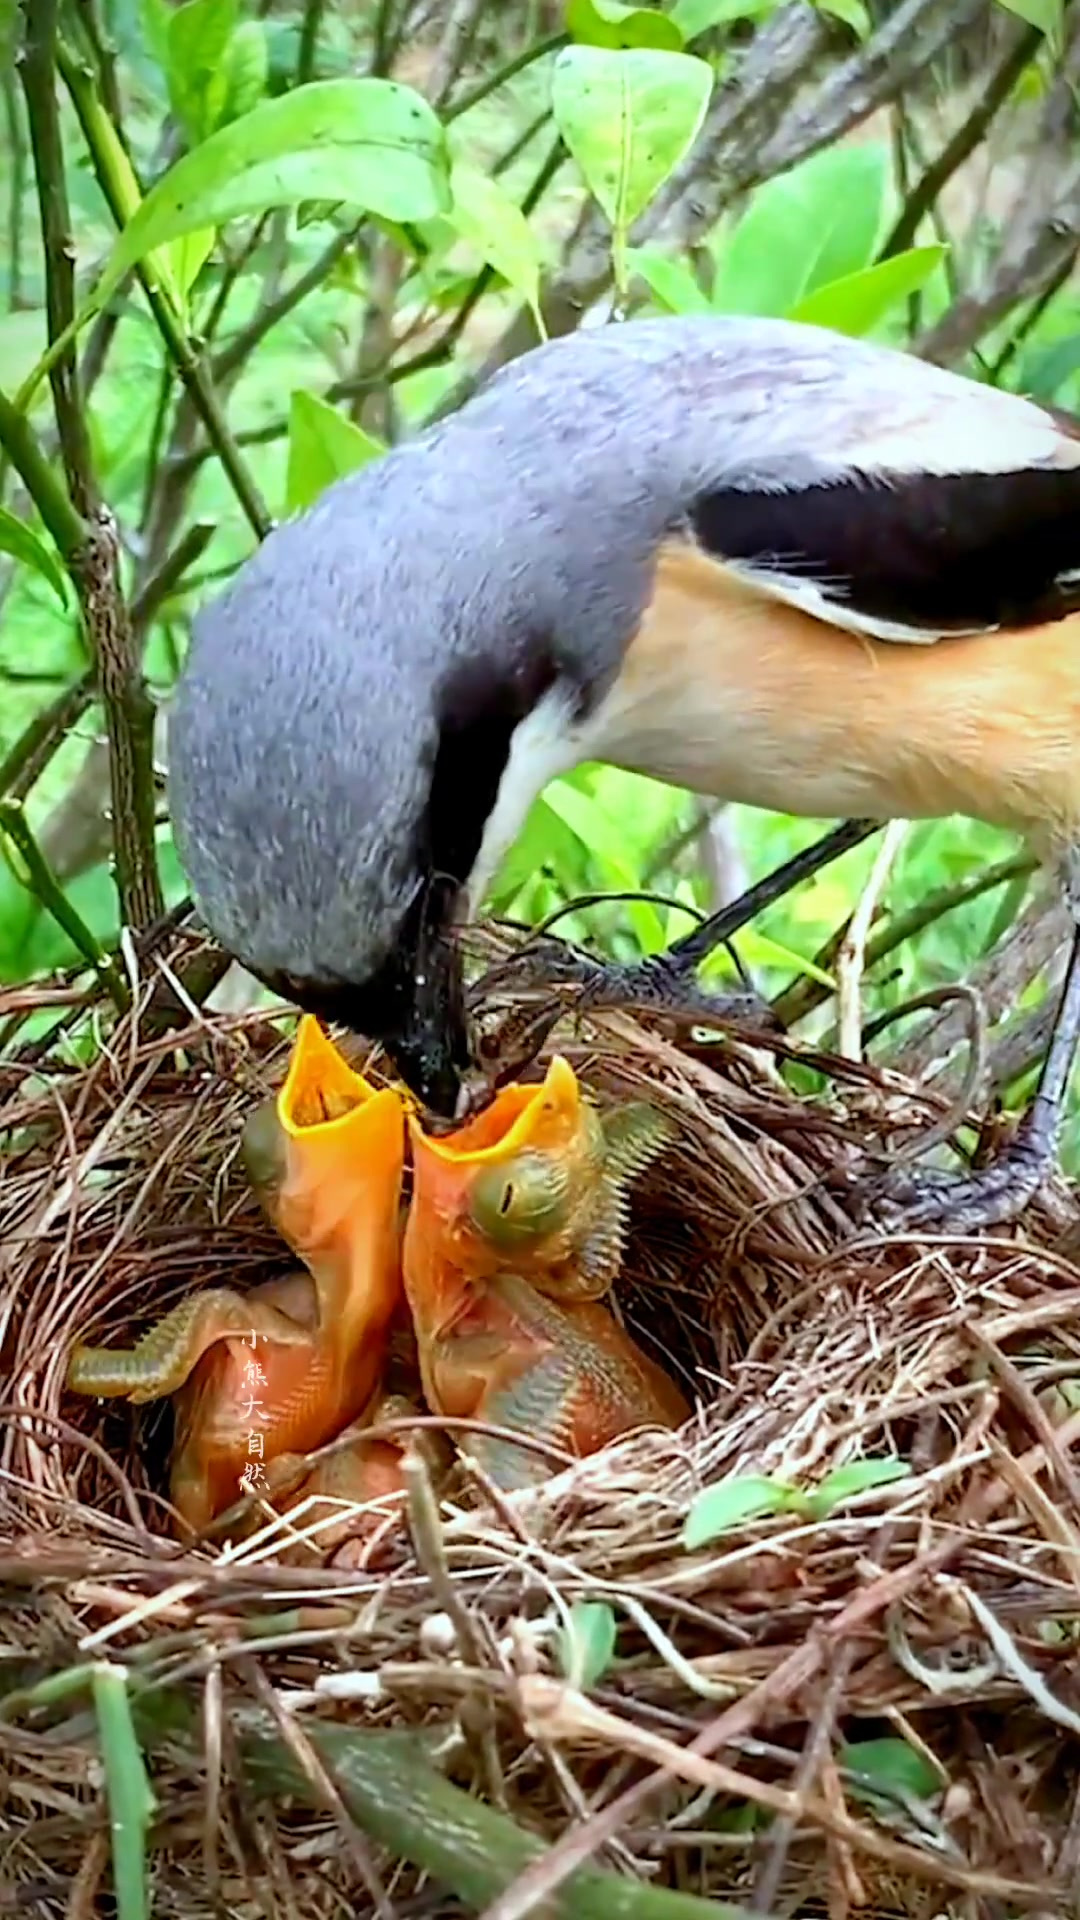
point(655, 986)
point(933, 1201)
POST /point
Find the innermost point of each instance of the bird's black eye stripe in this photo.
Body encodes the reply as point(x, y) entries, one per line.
point(480, 706)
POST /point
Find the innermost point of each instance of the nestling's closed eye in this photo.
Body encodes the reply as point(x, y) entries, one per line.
point(526, 1200)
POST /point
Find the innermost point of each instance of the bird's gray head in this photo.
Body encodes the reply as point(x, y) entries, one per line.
point(341, 729)
point(334, 757)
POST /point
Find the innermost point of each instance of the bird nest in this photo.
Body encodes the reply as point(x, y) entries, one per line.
point(848, 1687)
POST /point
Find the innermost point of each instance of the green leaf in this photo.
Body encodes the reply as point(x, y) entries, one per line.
point(1045, 369)
point(605, 23)
point(694, 17)
point(373, 143)
point(892, 1766)
point(757, 950)
point(198, 34)
point(323, 447)
point(858, 1477)
point(731, 1503)
point(183, 260)
point(668, 279)
point(247, 64)
point(854, 14)
point(132, 1805)
point(154, 17)
point(587, 1646)
point(173, 268)
point(1047, 15)
point(23, 544)
point(491, 222)
point(605, 840)
point(857, 302)
point(628, 119)
point(814, 224)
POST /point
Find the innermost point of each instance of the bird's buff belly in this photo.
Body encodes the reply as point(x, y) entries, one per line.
point(732, 694)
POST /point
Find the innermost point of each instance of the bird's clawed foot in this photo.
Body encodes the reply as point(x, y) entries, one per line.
point(664, 983)
point(928, 1200)
point(661, 985)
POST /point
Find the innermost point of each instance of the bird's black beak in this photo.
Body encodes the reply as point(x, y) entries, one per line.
point(427, 1034)
point(414, 1006)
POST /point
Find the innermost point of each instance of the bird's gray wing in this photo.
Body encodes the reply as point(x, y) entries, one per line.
point(870, 488)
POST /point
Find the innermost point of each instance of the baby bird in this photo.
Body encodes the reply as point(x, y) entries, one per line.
point(264, 1377)
point(516, 1226)
point(539, 1183)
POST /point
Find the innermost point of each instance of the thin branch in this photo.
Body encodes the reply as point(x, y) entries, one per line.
point(20, 444)
point(309, 41)
point(103, 54)
point(1043, 235)
point(805, 994)
point(493, 81)
point(1037, 942)
point(852, 956)
point(236, 261)
point(37, 65)
point(243, 344)
point(28, 756)
point(1024, 45)
point(129, 723)
point(383, 41)
point(38, 878)
point(17, 187)
point(95, 126)
point(1029, 320)
point(458, 34)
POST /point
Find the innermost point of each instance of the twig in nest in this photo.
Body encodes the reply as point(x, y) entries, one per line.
point(325, 1788)
point(1037, 1417)
point(851, 955)
point(426, 1531)
point(967, 998)
point(554, 1711)
point(814, 1753)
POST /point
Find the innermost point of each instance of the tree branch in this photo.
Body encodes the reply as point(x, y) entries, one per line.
point(26, 760)
point(79, 81)
point(238, 350)
point(493, 81)
point(17, 187)
point(1041, 239)
point(20, 444)
point(461, 23)
point(1024, 44)
point(309, 41)
point(1037, 941)
point(129, 724)
point(37, 66)
point(805, 994)
point(39, 880)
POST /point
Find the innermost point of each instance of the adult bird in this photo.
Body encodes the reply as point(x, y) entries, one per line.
point(746, 556)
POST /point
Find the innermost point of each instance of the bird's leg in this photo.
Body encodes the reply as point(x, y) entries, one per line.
point(933, 1200)
point(667, 982)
